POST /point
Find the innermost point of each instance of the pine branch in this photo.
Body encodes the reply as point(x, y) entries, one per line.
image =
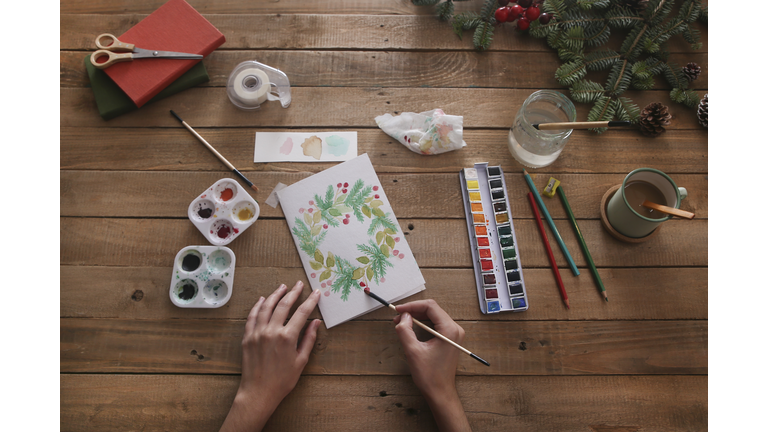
point(425, 2)
point(488, 9)
point(602, 111)
point(688, 97)
point(632, 46)
point(586, 91)
point(483, 36)
point(600, 60)
point(573, 40)
point(621, 18)
point(690, 10)
point(597, 34)
point(445, 11)
point(619, 78)
point(675, 76)
point(465, 21)
point(626, 110)
point(589, 4)
point(657, 10)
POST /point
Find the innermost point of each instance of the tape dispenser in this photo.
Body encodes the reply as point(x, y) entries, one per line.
point(252, 83)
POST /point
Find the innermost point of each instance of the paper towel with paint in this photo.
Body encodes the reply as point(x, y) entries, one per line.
point(348, 239)
point(428, 133)
point(305, 146)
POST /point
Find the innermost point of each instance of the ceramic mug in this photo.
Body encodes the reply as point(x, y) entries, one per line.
point(626, 219)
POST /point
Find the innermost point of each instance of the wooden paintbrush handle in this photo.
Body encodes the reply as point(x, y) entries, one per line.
point(668, 210)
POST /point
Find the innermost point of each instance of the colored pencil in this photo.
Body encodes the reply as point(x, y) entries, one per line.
point(555, 270)
point(583, 243)
point(218, 155)
point(426, 327)
point(580, 125)
point(551, 223)
point(669, 210)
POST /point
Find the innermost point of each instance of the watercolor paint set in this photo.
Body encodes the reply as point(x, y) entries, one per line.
point(202, 277)
point(498, 271)
point(223, 211)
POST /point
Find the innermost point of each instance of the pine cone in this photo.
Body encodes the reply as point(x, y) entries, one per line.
point(691, 71)
point(653, 118)
point(703, 111)
point(636, 5)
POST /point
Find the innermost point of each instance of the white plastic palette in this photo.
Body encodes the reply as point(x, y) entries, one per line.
point(202, 277)
point(223, 211)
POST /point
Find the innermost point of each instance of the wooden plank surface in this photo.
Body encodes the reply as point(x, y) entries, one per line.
point(130, 360)
point(333, 403)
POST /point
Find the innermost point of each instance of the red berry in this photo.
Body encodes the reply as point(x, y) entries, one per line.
point(376, 196)
point(532, 13)
point(338, 185)
point(310, 210)
point(347, 216)
point(395, 252)
point(311, 203)
point(524, 3)
point(514, 12)
point(346, 184)
point(343, 191)
point(375, 188)
point(313, 275)
point(523, 23)
point(501, 14)
point(401, 256)
point(325, 226)
point(544, 18)
point(503, 2)
point(346, 221)
point(362, 284)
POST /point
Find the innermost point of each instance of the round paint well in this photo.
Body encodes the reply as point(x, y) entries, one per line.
point(201, 210)
point(219, 260)
point(215, 291)
point(185, 291)
point(244, 212)
point(190, 260)
point(221, 231)
point(225, 191)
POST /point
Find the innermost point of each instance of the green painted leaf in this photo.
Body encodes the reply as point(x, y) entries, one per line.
point(316, 230)
point(376, 203)
point(334, 212)
point(369, 199)
point(363, 259)
point(316, 218)
point(391, 242)
point(389, 231)
point(307, 219)
point(379, 237)
point(378, 212)
point(369, 273)
point(326, 274)
point(366, 211)
point(385, 250)
point(331, 261)
point(315, 265)
point(358, 273)
point(344, 208)
point(319, 256)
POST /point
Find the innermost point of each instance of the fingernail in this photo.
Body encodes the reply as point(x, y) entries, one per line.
point(405, 315)
point(316, 292)
point(282, 286)
point(300, 283)
point(261, 299)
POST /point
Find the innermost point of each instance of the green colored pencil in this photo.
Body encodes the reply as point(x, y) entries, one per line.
point(592, 267)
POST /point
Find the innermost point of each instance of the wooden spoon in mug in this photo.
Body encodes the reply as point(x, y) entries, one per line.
point(668, 210)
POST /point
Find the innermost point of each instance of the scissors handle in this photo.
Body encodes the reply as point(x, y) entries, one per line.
point(109, 42)
point(111, 58)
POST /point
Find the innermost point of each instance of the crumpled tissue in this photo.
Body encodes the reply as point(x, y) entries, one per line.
point(428, 133)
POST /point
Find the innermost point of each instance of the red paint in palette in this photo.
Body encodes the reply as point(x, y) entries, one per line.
point(226, 195)
point(485, 253)
point(483, 241)
point(486, 264)
point(223, 232)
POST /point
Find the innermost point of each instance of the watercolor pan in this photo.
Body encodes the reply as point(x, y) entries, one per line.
point(202, 277)
point(223, 211)
point(495, 259)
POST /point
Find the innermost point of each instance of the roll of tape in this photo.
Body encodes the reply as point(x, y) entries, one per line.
point(251, 87)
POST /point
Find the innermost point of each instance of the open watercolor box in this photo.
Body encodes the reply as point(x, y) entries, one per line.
point(223, 211)
point(202, 277)
point(498, 271)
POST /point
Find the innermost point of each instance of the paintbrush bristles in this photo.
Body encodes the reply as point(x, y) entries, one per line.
point(254, 188)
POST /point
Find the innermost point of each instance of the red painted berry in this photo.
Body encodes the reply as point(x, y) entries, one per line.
point(346, 221)
point(514, 12)
point(346, 184)
point(524, 3)
point(503, 2)
point(375, 188)
point(395, 252)
point(327, 293)
point(343, 191)
point(532, 13)
point(338, 185)
point(301, 210)
point(362, 284)
point(544, 18)
point(523, 24)
point(325, 226)
point(401, 256)
point(311, 203)
point(313, 274)
point(376, 196)
point(310, 210)
point(346, 216)
point(397, 239)
point(322, 285)
point(501, 14)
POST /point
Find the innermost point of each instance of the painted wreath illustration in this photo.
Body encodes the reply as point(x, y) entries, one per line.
point(336, 208)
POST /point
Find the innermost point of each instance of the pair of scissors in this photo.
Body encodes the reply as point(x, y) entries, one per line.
point(109, 44)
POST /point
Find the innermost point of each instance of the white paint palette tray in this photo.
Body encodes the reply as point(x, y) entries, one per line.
point(223, 211)
point(202, 277)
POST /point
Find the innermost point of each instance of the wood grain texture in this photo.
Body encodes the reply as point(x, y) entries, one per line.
point(168, 194)
point(330, 107)
point(175, 149)
point(392, 69)
point(301, 31)
point(435, 243)
point(363, 403)
point(141, 293)
point(205, 346)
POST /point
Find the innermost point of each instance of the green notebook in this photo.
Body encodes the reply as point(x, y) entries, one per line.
point(112, 101)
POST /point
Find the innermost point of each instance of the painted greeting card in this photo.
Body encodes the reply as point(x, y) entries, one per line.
point(348, 238)
point(305, 147)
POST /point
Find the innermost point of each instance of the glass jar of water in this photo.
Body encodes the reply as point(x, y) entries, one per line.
point(536, 148)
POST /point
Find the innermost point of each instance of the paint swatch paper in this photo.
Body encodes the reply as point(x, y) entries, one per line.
point(305, 147)
point(348, 238)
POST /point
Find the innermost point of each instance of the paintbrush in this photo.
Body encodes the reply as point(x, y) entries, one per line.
point(218, 155)
point(425, 327)
point(580, 125)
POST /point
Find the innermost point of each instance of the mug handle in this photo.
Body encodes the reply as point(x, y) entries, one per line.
point(683, 192)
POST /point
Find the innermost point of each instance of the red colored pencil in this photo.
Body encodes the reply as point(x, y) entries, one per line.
point(549, 250)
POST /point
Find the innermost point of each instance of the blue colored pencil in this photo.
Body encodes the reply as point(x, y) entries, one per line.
point(551, 223)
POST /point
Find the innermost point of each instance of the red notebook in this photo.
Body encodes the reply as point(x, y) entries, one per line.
point(175, 26)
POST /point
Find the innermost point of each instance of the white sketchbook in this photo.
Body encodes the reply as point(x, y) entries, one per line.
point(348, 238)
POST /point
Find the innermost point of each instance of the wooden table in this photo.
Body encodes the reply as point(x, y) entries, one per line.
point(130, 360)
